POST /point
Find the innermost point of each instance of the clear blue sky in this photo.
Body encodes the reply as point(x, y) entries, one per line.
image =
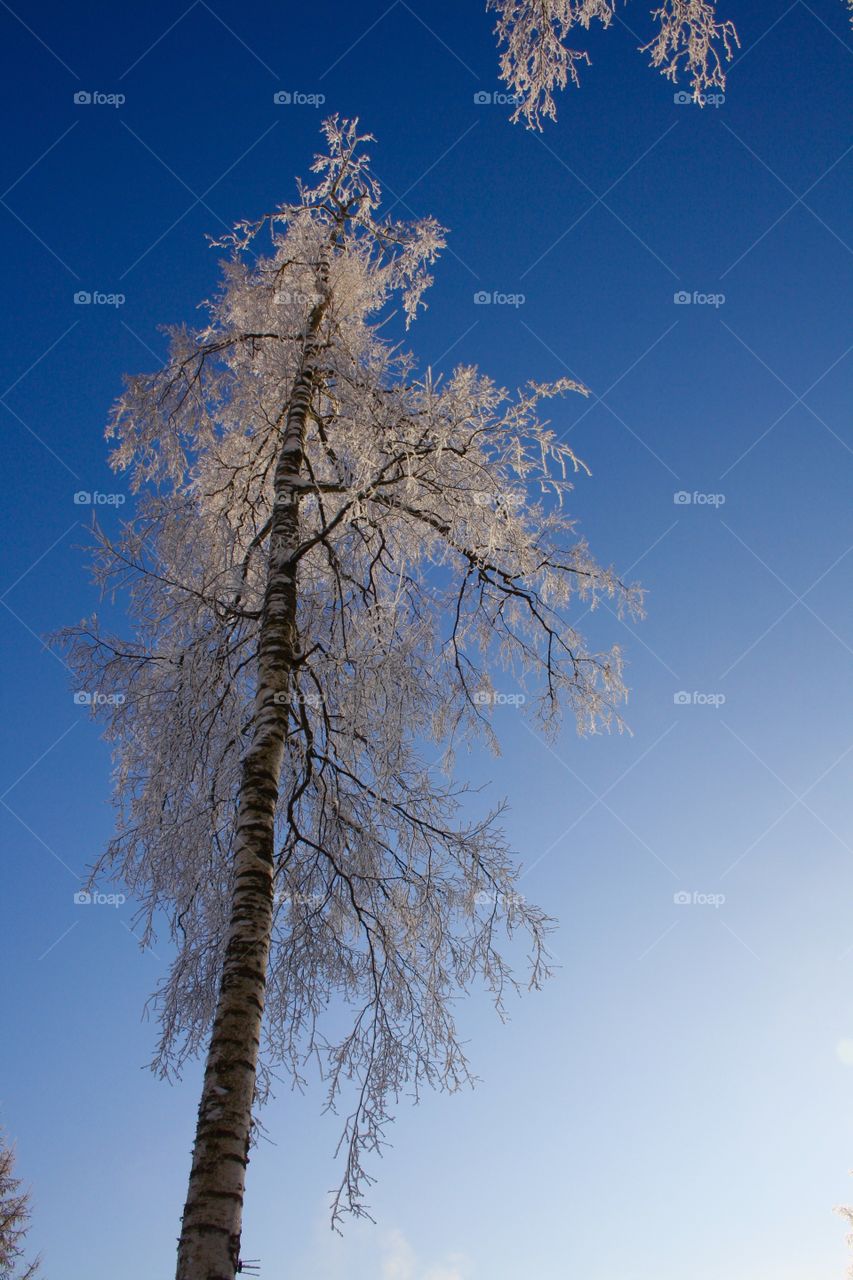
point(678, 1102)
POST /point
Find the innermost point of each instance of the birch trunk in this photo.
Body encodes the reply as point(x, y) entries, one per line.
point(209, 1245)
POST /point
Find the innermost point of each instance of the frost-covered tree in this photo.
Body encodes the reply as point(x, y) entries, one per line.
point(537, 58)
point(333, 558)
point(846, 1211)
point(14, 1220)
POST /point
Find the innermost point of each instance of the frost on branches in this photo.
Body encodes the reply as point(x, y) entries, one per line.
point(14, 1220)
point(846, 1211)
point(536, 60)
point(333, 559)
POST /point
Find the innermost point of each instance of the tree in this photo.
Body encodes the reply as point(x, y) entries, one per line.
point(15, 1216)
point(332, 556)
point(536, 60)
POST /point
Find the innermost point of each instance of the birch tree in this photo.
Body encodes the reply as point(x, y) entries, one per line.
point(14, 1220)
point(538, 59)
point(337, 566)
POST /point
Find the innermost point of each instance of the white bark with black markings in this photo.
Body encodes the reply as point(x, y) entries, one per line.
point(339, 570)
point(209, 1246)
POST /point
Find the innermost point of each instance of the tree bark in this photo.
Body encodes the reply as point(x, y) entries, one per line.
point(209, 1245)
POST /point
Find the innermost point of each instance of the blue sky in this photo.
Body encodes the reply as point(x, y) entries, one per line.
point(678, 1101)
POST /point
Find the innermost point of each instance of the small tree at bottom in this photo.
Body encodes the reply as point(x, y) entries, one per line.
point(14, 1220)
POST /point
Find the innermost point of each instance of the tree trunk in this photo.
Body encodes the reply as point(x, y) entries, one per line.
point(209, 1245)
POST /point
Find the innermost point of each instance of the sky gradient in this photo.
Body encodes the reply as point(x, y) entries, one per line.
point(678, 1100)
